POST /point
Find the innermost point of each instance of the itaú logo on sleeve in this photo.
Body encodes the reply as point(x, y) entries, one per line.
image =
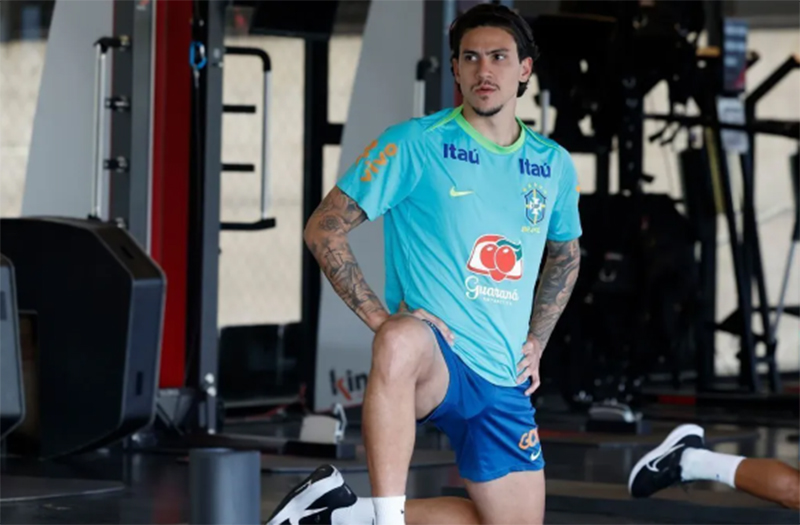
point(499, 259)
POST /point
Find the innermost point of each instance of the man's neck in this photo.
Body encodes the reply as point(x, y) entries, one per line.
point(501, 128)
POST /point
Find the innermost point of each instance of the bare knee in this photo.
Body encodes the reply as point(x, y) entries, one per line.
point(400, 347)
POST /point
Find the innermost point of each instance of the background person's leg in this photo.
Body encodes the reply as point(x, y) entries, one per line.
point(681, 457)
point(771, 480)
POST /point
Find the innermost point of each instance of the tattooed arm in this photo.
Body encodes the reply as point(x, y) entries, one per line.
point(555, 288)
point(326, 236)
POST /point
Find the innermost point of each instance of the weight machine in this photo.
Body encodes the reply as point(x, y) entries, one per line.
point(191, 416)
point(644, 302)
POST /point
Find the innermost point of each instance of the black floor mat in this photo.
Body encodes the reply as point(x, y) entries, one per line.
point(25, 488)
point(658, 432)
point(674, 505)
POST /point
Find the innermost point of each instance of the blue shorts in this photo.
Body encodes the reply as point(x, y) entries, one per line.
point(491, 428)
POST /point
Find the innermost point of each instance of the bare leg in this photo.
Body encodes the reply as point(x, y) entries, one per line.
point(408, 379)
point(771, 480)
point(517, 498)
point(441, 511)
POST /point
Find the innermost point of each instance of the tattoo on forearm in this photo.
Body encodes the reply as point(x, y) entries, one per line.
point(333, 219)
point(555, 288)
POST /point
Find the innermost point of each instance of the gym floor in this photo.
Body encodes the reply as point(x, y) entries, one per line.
point(157, 485)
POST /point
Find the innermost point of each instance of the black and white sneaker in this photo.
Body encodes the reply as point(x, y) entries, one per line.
point(661, 467)
point(314, 499)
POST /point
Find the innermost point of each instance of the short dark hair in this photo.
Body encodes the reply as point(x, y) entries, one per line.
point(495, 15)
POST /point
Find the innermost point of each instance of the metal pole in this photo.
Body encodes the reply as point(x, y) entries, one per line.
point(265, 201)
point(99, 133)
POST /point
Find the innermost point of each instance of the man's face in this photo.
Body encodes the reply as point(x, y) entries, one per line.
point(488, 69)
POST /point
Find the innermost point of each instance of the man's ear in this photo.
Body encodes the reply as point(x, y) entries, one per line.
point(527, 69)
point(454, 70)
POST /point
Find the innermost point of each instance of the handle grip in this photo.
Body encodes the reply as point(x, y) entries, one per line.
point(102, 46)
point(264, 221)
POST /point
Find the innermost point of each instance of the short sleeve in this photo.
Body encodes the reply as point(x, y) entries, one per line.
point(565, 223)
point(387, 171)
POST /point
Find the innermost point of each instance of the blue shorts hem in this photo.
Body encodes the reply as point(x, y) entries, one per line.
point(482, 477)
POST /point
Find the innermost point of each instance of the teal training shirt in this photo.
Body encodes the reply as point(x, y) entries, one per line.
point(465, 226)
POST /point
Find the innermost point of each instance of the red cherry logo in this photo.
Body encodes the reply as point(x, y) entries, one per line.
point(505, 259)
point(487, 256)
point(497, 275)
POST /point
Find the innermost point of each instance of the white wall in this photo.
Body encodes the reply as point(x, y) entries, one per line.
point(59, 171)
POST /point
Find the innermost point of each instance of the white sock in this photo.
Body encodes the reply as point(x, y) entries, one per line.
point(390, 510)
point(701, 464)
point(362, 512)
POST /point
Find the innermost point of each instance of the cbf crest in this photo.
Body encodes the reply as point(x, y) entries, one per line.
point(535, 207)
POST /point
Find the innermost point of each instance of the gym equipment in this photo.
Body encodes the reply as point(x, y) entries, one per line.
point(189, 411)
point(794, 169)
point(606, 74)
point(12, 395)
point(129, 107)
point(612, 416)
point(730, 125)
point(98, 302)
point(602, 82)
point(675, 505)
point(257, 365)
point(189, 416)
point(633, 306)
point(224, 487)
point(264, 222)
point(324, 429)
point(751, 267)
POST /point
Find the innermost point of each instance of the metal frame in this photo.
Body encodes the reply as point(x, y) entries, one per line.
point(129, 160)
point(318, 133)
point(753, 266)
point(204, 213)
point(264, 221)
point(205, 226)
point(439, 85)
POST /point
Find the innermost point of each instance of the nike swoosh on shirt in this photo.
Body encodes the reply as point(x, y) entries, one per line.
point(536, 454)
point(454, 193)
